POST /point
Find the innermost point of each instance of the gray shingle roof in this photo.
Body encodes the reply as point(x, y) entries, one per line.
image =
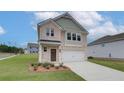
point(108, 39)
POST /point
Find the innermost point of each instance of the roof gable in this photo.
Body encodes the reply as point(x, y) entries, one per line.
point(68, 16)
point(65, 15)
point(47, 21)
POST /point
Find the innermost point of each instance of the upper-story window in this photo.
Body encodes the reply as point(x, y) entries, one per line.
point(47, 31)
point(78, 38)
point(52, 32)
point(74, 36)
point(68, 36)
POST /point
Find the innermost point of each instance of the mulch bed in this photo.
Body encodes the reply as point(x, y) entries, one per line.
point(51, 69)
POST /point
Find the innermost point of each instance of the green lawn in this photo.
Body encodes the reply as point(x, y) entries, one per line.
point(118, 65)
point(16, 68)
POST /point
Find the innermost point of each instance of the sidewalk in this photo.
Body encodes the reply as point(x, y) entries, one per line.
point(7, 57)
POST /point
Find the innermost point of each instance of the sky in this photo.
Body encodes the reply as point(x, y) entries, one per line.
point(19, 28)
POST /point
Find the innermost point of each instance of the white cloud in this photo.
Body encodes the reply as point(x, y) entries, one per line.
point(39, 16)
point(87, 19)
point(2, 30)
point(96, 24)
point(104, 29)
point(120, 28)
point(45, 15)
point(34, 25)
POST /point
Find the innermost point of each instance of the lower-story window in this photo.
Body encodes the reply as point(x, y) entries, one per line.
point(45, 49)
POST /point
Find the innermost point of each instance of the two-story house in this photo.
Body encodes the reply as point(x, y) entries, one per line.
point(61, 39)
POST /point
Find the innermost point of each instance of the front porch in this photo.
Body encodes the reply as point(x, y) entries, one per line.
point(49, 52)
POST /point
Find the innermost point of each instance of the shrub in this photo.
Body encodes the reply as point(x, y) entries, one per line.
point(61, 65)
point(46, 64)
point(35, 67)
point(64, 67)
point(32, 64)
point(57, 67)
point(90, 57)
point(47, 67)
point(39, 64)
point(52, 65)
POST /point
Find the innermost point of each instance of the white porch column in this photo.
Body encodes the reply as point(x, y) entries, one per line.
point(40, 53)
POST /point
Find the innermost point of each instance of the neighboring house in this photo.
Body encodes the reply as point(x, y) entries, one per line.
point(61, 39)
point(107, 47)
point(31, 48)
point(25, 51)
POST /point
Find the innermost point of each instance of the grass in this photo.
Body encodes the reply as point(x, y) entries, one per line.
point(16, 69)
point(118, 65)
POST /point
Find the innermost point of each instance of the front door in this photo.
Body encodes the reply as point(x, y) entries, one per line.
point(53, 54)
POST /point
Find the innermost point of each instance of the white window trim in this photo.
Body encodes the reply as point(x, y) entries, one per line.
point(75, 36)
point(80, 36)
point(46, 29)
point(51, 32)
point(72, 36)
point(67, 36)
point(50, 29)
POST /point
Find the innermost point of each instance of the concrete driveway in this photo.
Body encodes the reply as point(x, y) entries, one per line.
point(94, 72)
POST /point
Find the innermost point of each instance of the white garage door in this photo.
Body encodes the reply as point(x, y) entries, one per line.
point(72, 56)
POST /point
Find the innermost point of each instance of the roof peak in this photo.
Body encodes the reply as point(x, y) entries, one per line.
point(67, 14)
point(64, 15)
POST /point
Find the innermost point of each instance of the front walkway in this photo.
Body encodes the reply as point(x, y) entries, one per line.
point(94, 72)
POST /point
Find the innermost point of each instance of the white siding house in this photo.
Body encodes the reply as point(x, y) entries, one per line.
point(31, 48)
point(107, 47)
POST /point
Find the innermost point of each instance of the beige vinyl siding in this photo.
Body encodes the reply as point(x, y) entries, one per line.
point(57, 32)
point(46, 56)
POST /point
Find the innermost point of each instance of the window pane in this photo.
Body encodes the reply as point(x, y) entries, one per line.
point(68, 36)
point(45, 49)
point(52, 32)
point(47, 31)
point(74, 36)
point(78, 37)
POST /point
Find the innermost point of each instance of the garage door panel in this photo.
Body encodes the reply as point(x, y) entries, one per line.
point(72, 56)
